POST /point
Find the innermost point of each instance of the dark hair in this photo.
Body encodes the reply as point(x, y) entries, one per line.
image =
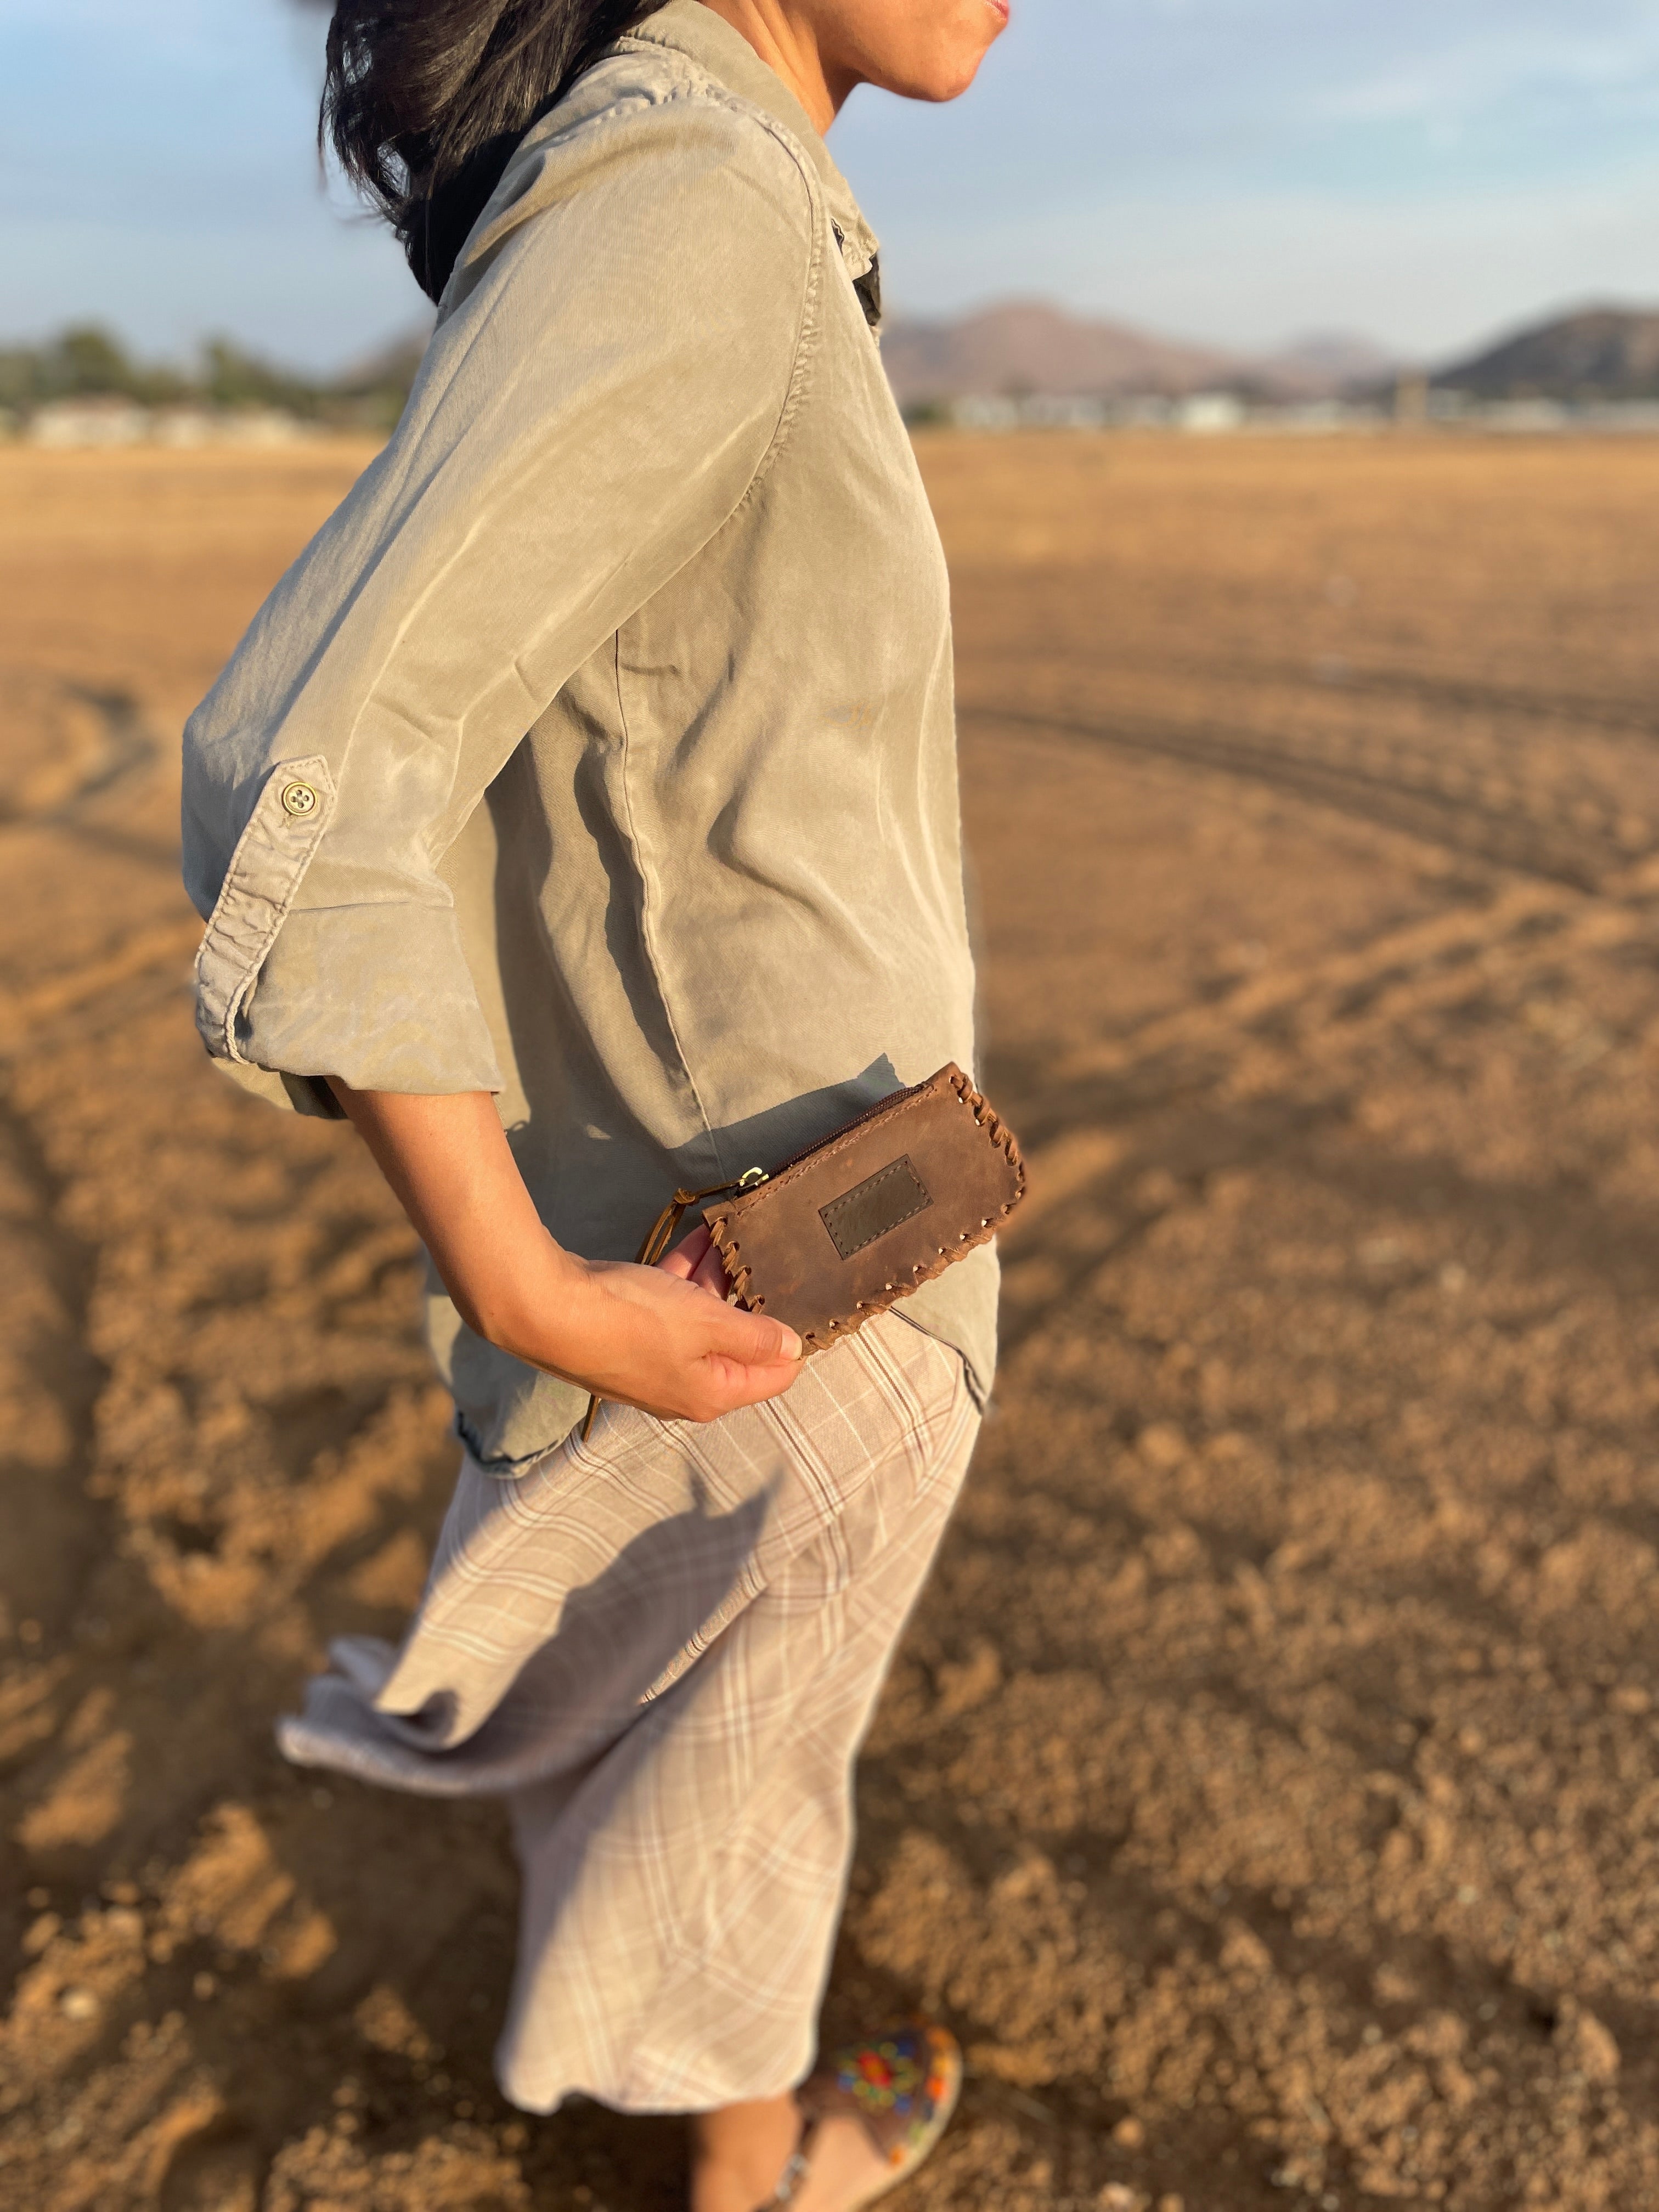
point(424, 101)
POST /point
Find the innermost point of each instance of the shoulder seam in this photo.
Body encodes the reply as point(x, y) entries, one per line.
point(810, 323)
point(692, 82)
point(686, 82)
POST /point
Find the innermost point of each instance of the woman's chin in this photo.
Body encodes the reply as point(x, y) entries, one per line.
point(944, 79)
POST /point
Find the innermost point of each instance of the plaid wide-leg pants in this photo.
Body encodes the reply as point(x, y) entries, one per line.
point(663, 1647)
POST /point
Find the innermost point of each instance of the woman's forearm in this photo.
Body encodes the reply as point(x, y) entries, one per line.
point(448, 1160)
point(663, 1339)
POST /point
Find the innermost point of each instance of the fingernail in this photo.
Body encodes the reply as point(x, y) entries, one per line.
point(792, 1348)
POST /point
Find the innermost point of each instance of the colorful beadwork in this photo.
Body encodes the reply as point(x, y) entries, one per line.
point(902, 2087)
point(907, 2075)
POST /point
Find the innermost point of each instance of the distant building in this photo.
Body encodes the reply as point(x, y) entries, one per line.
point(1207, 413)
point(184, 426)
point(259, 425)
point(91, 421)
point(66, 424)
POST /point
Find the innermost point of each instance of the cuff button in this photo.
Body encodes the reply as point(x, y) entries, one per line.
point(299, 798)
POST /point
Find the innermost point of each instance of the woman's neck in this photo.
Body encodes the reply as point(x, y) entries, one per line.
point(782, 34)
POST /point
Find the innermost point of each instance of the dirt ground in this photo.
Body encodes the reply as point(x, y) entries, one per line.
point(1267, 1789)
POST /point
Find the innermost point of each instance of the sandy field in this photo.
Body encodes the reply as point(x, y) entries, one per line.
point(1266, 1788)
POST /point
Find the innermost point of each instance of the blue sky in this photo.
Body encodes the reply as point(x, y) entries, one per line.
point(1424, 172)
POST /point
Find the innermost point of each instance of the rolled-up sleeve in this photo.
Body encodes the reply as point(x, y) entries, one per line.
point(613, 367)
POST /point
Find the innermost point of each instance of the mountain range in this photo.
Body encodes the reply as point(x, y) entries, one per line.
point(1029, 348)
point(1021, 347)
point(1597, 354)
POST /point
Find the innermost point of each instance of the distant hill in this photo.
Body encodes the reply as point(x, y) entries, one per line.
point(1596, 354)
point(1030, 347)
point(1026, 346)
point(1023, 347)
point(1327, 364)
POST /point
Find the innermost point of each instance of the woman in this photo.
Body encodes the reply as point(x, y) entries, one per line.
point(578, 817)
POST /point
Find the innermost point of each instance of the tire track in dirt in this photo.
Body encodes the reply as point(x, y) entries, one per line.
point(1437, 691)
point(88, 742)
point(88, 738)
point(24, 1015)
point(1450, 818)
point(1100, 1182)
point(1357, 991)
point(49, 1383)
point(79, 743)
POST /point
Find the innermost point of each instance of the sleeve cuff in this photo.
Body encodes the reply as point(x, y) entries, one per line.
point(380, 996)
point(291, 1094)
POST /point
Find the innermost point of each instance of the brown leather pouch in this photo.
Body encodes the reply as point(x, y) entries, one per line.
point(858, 1221)
point(861, 1219)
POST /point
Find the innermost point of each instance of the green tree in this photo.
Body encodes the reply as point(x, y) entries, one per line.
point(87, 361)
point(235, 378)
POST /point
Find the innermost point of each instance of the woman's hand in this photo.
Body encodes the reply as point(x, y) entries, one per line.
point(661, 1337)
point(665, 1338)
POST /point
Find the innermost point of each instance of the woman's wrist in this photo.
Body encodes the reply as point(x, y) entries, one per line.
point(524, 1296)
point(653, 1337)
point(448, 1160)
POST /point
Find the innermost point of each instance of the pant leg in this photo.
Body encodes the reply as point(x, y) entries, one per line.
point(680, 1903)
point(662, 1647)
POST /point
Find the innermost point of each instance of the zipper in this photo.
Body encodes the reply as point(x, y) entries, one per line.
point(754, 1177)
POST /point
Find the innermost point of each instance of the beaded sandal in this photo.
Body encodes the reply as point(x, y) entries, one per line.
point(902, 2088)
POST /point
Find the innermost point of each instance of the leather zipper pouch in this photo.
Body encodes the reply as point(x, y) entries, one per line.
point(856, 1223)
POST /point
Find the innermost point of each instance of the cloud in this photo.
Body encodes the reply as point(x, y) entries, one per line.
point(1486, 77)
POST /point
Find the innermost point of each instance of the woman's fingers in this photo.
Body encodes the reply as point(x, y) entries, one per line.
point(754, 1339)
point(696, 1259)
point(732, 1385)
point(657, 1340)
point(688, 1255)
point(751, 1357)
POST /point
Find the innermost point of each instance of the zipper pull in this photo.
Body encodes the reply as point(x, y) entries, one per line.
point(751, 1179)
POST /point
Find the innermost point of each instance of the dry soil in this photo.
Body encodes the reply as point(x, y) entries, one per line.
point(1266, 1788)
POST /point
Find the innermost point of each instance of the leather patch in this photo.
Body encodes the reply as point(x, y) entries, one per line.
point(851, 1225)
point(870, 1209)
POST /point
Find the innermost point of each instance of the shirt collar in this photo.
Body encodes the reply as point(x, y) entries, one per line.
point(709, 40)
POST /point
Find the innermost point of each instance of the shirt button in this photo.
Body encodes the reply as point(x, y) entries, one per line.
point(299, 798)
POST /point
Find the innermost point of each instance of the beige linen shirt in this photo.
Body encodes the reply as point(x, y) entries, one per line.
point(599, 751)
